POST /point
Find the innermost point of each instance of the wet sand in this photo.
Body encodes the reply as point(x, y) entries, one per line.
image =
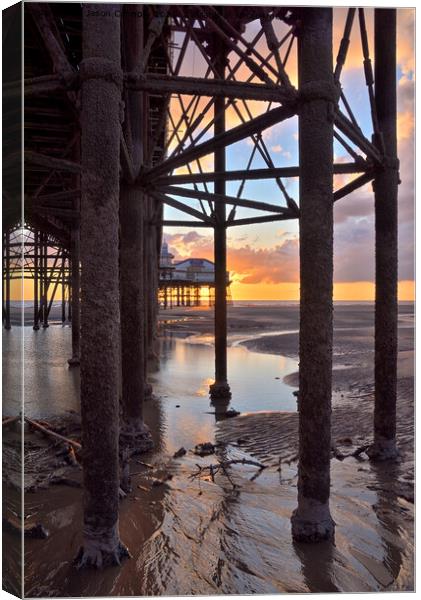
point(202, 537)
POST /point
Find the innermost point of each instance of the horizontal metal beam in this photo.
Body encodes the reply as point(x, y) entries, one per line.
point(249, 174)
point(169, 223)
point(44, 85)
point(55, 212)
point(265, 219)
point(201, 195)
point(268, 119)
point(198, 86)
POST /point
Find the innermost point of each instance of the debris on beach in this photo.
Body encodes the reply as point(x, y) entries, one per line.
point(159, 482)
point(58, 480)
point(209, 471)
point(181, 452)
point(36, 531)
point(242, 441)
point(227, 414)
point(144, 464)
point(232, 413)
point(204, 449)
point(344, 441)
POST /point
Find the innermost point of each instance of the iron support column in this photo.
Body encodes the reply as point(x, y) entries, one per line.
point(75, 254)
point(386, 214)
point(102, 80)
point(41, 277)
point(133, 327)
point(63, 290)
point(133, 268)
point(153, 292)
point(7, 282)
point(45, 282)
point(36, 281)
point(220, 389)
point(311, 520)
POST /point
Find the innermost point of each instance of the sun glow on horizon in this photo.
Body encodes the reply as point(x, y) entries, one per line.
point(356, 291)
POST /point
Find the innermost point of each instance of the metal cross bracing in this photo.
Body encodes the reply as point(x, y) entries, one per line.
point(38, 257)
point(177, 74)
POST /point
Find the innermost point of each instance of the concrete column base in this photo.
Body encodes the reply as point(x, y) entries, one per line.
point(219, 389)
point(311, 522)
point(383, 449)
point(101, 548)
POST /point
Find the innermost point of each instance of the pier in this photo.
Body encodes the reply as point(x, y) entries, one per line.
point(124, 139)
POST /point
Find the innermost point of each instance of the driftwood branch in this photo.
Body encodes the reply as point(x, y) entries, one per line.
point(213, 469)
point(9, 420)
point(52, 434)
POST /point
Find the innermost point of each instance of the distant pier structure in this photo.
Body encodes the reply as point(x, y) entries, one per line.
point(189, 282)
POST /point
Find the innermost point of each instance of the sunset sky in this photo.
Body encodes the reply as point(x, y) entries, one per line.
point(263, 259)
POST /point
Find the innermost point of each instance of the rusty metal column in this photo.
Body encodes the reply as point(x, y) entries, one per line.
point(102, 80)
point(69, 292)
point(386, 212)
point(134, 434)
point(45, 279)
point(63, 290)
point(133, 329)
point(220, 389)
point(7, 278)
point(146, 287)
point(311, 521)
point(153, 350)
point(41, 276)
point(75, 282)
point(36, 281)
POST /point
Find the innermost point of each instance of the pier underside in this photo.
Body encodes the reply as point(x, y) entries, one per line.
point(131, 122)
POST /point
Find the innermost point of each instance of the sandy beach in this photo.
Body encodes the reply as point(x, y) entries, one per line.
point(231, 533)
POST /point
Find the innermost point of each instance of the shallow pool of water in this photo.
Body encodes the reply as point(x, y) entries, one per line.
point(189, 537)
point(181, 382)
point(185, 373)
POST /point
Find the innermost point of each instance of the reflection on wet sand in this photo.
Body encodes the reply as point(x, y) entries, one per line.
point(201, 537)
point(317, 567)
point(389, 508)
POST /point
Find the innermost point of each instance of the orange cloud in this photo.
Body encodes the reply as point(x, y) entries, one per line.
point(406, 39)
point(246, 264)
point(405, 125)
